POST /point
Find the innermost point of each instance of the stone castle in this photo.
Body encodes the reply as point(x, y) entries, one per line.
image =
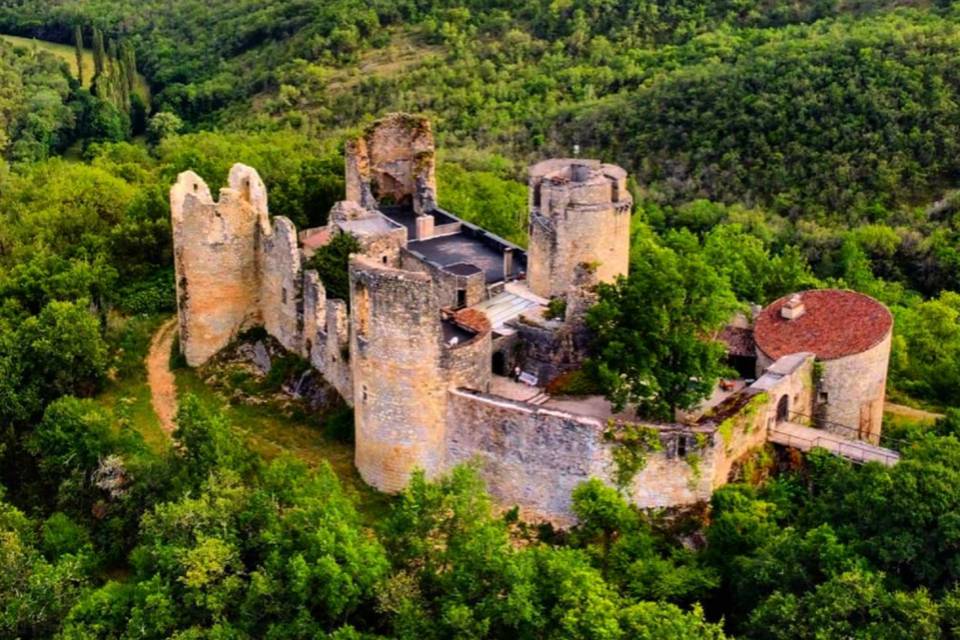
point(448, 341)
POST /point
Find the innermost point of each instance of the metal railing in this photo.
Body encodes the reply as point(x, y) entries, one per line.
point(849, 432)
point(854, 451)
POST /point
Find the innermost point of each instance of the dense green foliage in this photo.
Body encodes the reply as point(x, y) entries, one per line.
point(332, 262)
point(648, 330)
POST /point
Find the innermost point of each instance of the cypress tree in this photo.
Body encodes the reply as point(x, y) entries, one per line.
point(112, 57)
point(78, 44)
point(98, 52)
point(130, 66)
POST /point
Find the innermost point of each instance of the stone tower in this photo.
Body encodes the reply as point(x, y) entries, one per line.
point(406, 355)
point(579, 214)
point(215, 258)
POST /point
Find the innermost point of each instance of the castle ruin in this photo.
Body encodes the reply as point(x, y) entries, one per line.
point(442, 313)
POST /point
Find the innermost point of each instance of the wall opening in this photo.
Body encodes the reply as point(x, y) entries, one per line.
point(783, 409)
point(499, 364)
point(682, 446)
point(461, 298)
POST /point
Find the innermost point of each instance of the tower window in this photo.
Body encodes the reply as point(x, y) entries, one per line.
point(283, 294)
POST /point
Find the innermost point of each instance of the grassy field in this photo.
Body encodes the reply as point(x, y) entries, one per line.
point(66, 53)
point(266, 430)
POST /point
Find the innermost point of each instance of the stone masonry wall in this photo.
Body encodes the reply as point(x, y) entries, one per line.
point(855, 387)
point(281, 281)
point(398, 389)
point(393, 162)
point(448, 284)
point(580, 213)
point(215, 259)
point(327, 335)
point(534, 457)
point(529, 456)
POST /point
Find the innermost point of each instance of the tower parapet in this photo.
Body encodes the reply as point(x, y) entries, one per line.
point(579, 214)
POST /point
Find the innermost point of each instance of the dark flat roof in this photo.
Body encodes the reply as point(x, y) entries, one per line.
point(460, 248)
point(403, 214)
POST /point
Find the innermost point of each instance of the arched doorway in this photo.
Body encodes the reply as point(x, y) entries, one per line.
point(783, 408)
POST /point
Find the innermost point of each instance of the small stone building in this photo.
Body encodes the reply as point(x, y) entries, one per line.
point(849, 333)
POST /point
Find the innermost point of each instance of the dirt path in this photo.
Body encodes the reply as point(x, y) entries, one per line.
point(163, 389)
point(909, 412)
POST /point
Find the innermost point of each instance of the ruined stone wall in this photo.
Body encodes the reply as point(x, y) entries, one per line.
point(550, 349)
point(281, 281)
point(399, 390)
point(468, 364)
point(393, 163)
point(534, 457)
point(215, 258)
point(327, 336)
point(579, 213)
point(855, 387)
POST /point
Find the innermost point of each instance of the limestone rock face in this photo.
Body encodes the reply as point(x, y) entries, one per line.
point(393, 163)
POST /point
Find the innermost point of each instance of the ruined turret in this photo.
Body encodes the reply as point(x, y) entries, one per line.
point(215, 259)
point(393, 163)
point(579, 214)
point(234, 267)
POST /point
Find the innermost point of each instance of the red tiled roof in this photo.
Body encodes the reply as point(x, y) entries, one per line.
point(316, 240)
point(473, 320)
point(835, 323)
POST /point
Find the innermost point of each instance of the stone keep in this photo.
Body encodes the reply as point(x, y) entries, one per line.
point(403, 367)
point(579, 213)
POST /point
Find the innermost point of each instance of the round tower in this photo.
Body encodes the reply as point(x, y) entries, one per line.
point(405, 356)
point(850, 334)
point(579, 214)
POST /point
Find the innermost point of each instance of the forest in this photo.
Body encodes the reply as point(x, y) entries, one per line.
point(772, 146)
